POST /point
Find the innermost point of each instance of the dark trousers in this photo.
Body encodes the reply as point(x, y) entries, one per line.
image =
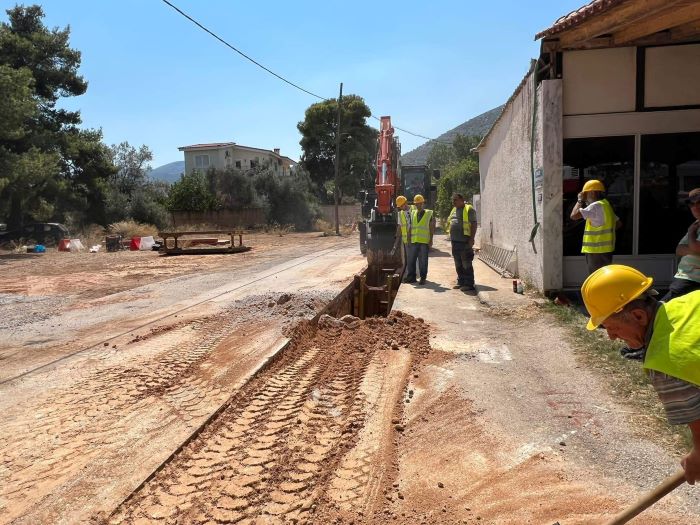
point(463, 255)
point(680, 287)
point(406, 257)
point(417, 252)
point(596, 261)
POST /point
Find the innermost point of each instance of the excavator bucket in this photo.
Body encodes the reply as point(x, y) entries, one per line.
point(383, 247)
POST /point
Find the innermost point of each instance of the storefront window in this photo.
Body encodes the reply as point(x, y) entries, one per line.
point(610, 160)
point(670, 168)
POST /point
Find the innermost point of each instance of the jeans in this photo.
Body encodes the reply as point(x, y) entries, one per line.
point(680, 287)
point(596, 261)
point(463, 255)
point(417, 252)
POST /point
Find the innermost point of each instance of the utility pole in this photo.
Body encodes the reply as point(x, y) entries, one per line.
point(337, 162)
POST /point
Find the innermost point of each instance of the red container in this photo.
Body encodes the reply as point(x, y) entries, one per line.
point(135, 244)
point(64, 245)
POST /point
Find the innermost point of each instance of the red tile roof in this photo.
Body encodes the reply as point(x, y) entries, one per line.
point(578, 16)
point(207, 146)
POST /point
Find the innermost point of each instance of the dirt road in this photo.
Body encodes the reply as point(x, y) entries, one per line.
point(227, 396)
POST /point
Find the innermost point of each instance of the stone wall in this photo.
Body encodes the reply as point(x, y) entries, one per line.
point(507, 181)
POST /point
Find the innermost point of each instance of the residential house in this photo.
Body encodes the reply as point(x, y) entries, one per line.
point(613, 96)
point(225, 155)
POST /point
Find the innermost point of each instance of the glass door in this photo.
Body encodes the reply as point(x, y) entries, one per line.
point(669, 169)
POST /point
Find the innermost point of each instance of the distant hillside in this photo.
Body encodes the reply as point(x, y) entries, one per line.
point(476, 126)
point(168, 172)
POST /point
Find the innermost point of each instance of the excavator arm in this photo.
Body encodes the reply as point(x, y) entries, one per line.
point(383, 250)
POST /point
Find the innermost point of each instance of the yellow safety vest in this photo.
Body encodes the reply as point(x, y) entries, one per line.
point(465, 219)
point(600, 239)
point(420, 230)
point(674, 348)
point(404, 225)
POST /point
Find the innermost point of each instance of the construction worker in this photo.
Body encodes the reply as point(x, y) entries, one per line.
point(462, 224)
point(422, 231)
point(687, 278)
point(601, 222)
point(404, 211)
point(620, 299)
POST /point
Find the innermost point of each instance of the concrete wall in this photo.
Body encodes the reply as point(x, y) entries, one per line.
point(243, 218)
point(506, 184)
point(347, 213)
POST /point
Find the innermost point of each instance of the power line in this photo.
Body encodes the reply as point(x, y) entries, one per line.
point(241, 52)
point(250, 59)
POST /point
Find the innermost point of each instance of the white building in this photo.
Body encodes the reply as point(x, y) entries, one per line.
point(613, 96)
point(225, 155)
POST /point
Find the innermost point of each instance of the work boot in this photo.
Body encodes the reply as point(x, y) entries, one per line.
point(422, 280)
point(467, 288)
point(409, 281)
point(457, 286)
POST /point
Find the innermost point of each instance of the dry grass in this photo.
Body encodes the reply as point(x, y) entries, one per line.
point(327, 228)
point(128, 229)
point(90, 235)
point(626, 377)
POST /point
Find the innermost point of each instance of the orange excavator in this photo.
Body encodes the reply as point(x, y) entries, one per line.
point(378, 284)
point(378, 231)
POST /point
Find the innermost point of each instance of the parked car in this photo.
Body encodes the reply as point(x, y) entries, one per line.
point(47, 233)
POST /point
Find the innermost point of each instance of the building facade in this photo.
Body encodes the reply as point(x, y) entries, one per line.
point(613, 96)
point(224, 155)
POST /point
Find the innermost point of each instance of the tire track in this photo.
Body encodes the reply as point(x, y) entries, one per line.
point(357, 483)
point(272, 455)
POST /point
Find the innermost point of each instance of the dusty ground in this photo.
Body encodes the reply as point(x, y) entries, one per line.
point(214, 397)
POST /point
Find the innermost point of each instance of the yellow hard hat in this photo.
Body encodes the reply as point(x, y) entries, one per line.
point(400, 201)
point(593, 185)
point(418, 199)
point(609, 289)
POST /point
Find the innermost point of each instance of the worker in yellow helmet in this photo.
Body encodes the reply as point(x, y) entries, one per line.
point(422, 231)
point(621, 300)
point(404, 227)
point(601, 222)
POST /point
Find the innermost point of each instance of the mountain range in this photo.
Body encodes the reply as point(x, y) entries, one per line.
point(478, 125)
point(168, 172)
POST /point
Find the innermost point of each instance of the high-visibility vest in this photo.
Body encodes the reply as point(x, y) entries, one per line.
point(420, 230)
point(674, 348)
point(404, 225)
point(466, 225)
point(600, 239)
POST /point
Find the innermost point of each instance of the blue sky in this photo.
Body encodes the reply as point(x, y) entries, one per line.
point(156, 79)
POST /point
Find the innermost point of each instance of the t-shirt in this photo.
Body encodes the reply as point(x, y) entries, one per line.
point(456, 226)
point(681, 399)
point(594, 212)
point(689, 265)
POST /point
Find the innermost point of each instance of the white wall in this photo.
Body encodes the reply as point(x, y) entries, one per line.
point(506, 184)
point(672, 76)
point(599, 81)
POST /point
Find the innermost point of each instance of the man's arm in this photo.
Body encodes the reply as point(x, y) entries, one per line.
point(689, 245)
point(432, 231)
point(474, 227)
point(576, 212)
point(691, 462)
